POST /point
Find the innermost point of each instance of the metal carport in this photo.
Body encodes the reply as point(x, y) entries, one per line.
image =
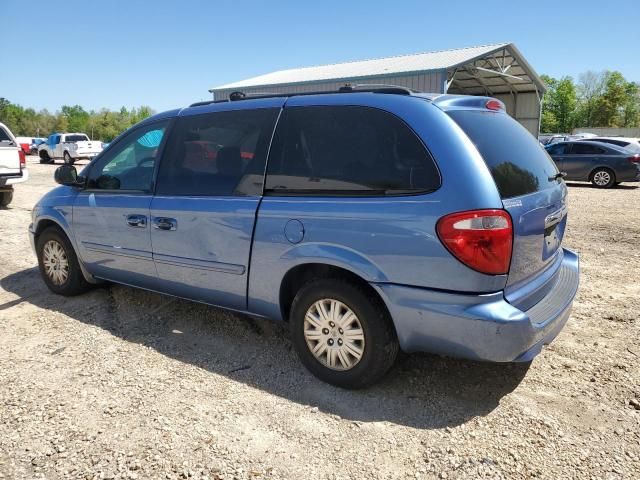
point(497, 70)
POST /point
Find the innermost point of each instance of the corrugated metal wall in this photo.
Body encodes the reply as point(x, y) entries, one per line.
point(524, 107)
point(425, 82)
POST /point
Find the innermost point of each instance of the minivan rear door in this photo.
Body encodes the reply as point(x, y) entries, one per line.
point(533, 193)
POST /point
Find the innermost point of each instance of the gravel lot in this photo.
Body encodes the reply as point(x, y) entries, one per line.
point(121, 383)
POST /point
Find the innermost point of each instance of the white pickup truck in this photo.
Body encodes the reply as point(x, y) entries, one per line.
point(69, 147)
point(12, 165)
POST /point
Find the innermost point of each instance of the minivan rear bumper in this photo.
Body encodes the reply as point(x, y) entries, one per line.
point(484, 326)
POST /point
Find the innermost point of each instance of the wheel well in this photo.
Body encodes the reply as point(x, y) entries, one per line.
point(302, 274)
point(44, 224)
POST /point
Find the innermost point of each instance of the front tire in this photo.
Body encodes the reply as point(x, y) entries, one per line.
point(59, 265)
point(342, 333)
point(6, 198)
point(45, 158)
point(603, 178)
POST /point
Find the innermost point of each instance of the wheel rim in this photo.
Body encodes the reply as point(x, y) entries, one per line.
point(601, 178)
point(334, 334)
point(55, 261)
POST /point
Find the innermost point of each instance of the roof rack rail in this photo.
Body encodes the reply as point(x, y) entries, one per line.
point(377, 88)
point(346, 88)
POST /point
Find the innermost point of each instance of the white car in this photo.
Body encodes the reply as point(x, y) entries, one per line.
point(12, 165)
point(69, 147)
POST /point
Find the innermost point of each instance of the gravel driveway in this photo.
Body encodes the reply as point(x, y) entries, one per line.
point(122, 383)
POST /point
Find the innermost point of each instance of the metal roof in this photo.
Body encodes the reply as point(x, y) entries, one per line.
point(403, 64)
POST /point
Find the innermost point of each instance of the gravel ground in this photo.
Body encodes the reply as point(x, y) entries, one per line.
point(121, 383)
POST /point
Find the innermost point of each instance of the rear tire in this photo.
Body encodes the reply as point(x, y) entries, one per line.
point(603, 178)
point(354, 348)
point(59, 265)
point(6, 198)
point(67, 158)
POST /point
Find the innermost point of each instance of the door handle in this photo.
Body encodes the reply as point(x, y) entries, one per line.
point(164, 223)
point(139, 221)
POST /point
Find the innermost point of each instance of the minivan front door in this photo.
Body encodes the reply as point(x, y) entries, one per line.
point(208, 191)
point(111, 216)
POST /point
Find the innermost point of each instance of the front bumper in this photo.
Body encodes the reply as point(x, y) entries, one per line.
point(483, 326)
point(14, 179)
point(32, 238)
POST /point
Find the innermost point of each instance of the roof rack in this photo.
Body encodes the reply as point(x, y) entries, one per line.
point(346, 88)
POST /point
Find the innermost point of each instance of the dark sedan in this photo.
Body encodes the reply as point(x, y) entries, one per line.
point(602, 164)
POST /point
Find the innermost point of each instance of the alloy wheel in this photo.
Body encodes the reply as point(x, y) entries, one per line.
point(601, 178)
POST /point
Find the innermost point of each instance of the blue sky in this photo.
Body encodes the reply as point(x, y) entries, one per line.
point(168, 53)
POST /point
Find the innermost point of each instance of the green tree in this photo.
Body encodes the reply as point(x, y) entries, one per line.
point(611, 103)
point(630, 115)
point(77, 118)
point(559, 104)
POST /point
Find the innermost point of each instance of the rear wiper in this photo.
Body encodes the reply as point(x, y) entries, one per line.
point(557, 176)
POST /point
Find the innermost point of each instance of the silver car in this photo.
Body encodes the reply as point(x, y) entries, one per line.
point(602, 164)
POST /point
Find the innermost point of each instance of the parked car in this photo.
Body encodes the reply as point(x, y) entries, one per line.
point(580, 136)
point(24, 143)
point(602, 164)
point(369, 221)
point(69, 147)
point(552, 138)
point(35, 143)
point(632, 144)
point(13, 165)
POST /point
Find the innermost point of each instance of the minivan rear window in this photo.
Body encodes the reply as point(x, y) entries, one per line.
point(518, 163)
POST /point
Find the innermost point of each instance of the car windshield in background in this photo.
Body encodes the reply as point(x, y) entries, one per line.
point(518, 163)
point(76, 138)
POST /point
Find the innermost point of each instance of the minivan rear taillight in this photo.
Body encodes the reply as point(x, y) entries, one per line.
point(481, 239)
point(23, 159)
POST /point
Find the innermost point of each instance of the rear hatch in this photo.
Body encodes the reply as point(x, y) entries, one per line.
point(531, 191)
point(9, 156)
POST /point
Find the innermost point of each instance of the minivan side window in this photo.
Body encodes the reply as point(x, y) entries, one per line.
point(347, 150)
point(217, 154)
point(130, 163)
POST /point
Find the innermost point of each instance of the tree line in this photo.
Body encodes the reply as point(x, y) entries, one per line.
point(597, 99)
point(102, 124)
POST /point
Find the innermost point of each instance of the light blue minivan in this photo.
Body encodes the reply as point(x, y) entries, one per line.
point(369, 220)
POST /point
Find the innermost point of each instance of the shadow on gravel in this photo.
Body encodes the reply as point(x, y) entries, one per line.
point(421, 391)
point(589, 185)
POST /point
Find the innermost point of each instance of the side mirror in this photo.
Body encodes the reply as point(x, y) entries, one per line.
point(66, 175)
